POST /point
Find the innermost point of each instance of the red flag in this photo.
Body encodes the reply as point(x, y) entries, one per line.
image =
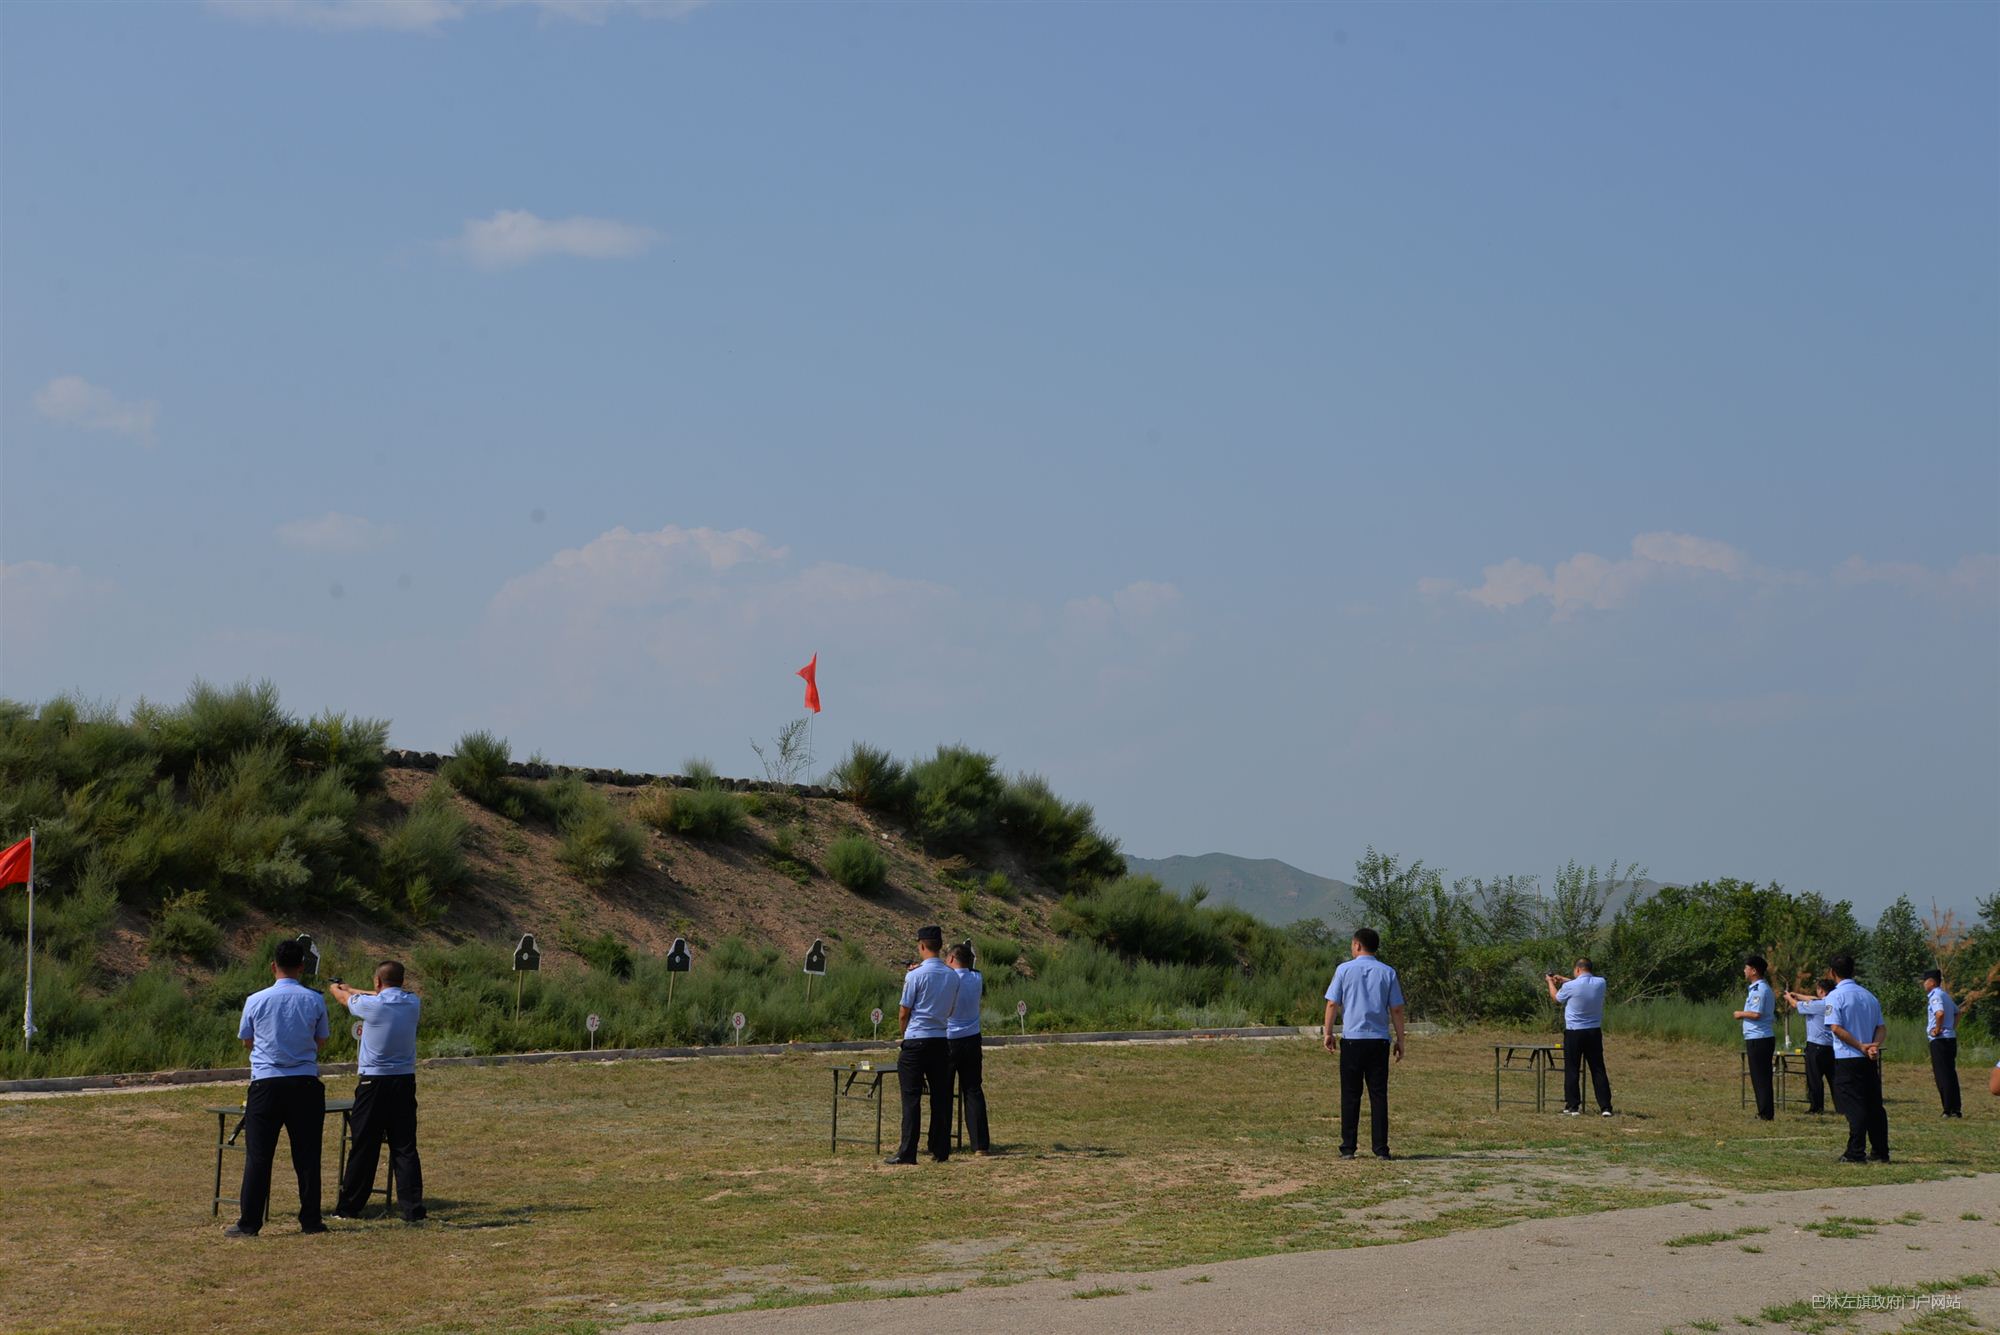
point(811, 673)
point(17, 863)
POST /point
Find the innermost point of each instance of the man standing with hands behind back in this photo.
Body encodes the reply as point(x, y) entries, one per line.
point(1854, 1022)
point(284, 1026)
point(1367, 998)
point(925, 1055)
point(385, 1097)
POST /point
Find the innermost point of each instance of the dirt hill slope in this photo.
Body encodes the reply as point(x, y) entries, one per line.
point(704, 891)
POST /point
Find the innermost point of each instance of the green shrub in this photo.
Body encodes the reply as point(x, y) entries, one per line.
point(705, 813)
point(653, 807)
point(967, 901)
point(423, 858)
point(1138, 919)
point(870, 777)
point(699, 771)
point(596, 845)
point(603, 952)
point(183, 928)
point(998, 886)
point(957, 794)
point(855, 862)
point(354, 745)
point(1061, 837)
point(479, 770)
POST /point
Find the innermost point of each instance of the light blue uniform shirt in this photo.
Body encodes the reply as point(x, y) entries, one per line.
point(388, 1031)
point(1765, 1003)
point(284, 1023)
point(1583, 1002)
point(929, 990)
point(1940, 1004)
point(1815, 1013)
point(964, 1021)
point(1365, 989)
point(1854, 1008)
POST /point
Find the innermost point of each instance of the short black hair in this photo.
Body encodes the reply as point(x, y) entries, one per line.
point(289, 955)
point(962, 952)
point(932, 937)
point(1583, 962)
point(1842, 966)
point(1759, 963)
point(390, 972)
point(1370, 940)
point(1933, 976)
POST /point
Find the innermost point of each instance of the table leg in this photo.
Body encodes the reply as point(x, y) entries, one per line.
point(833, 1147)
point(878, 1112)
point(221, 1129)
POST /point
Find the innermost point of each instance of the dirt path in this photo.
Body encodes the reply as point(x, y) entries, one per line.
point(1606, 1273)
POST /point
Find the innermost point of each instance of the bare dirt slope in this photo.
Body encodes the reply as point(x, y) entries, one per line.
point(703, 891)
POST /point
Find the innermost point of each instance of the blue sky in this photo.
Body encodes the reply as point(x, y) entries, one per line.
point(1499, 434)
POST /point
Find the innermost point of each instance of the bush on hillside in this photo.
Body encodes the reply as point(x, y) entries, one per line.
point(183, 929)
point(957, 793)
point(1138, 919)
point(705, 813)
point(855, 862)
point(596, 844)
point(423, 858)
point(872, 778)
point(479, 770)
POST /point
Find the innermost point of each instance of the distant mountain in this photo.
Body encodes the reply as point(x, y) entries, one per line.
point(1280, 893)
point(1265, 888)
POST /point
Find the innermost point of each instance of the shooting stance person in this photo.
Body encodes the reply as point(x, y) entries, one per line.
point(1942, 1031)
point(1854, 1019)
point(1582, 1000)
point(1367, 998)
point(925, 1056)
point(385, 1094)
point(1819, 1047)
point(1760, 1032)
point(284, 1027)
point(967, 1047)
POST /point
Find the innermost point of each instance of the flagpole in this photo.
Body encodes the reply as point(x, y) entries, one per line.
point(28, 1005)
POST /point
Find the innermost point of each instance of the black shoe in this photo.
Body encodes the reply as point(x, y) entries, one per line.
point(1606, 1112)
point(1384, 1154)
point(940, 1158)
point(897, 1161)
point(312, 1228)
point(238, 1231)
point(417, 1216)
point(341, 1214)
point(1878, 1158)
point(1347, 1154)
point(1851, 1158)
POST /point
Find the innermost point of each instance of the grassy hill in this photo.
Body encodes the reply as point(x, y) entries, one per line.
point(1277, 892)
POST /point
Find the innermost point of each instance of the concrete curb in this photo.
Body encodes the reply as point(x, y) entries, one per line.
point(72, 1084)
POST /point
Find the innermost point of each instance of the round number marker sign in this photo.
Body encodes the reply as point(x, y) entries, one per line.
point(1020, 1008)
point(738, 1021)
point(591, 1022)
point(875, 1016)
point(357, 1031)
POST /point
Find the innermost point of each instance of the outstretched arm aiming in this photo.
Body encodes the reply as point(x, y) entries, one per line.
point(1550, 979)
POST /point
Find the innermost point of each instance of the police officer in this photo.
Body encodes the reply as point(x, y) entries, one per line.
point(925, 1056)
point(284, 1027)
point(1367, 998)
point(1582, 999)
point(1942, 1030)
point(385, 1095)
point(968, 1055)
point(1760, 1032)
point(1854, 1021)
point(1819, 1047)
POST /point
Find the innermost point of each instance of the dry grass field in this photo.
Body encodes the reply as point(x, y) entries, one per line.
point(580, 1198)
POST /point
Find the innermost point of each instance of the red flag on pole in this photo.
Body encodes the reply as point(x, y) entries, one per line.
point(17, 864)
point(811, 673)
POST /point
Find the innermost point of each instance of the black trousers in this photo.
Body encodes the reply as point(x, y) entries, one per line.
point(921, 1062)
point(1857, 1092)
point(385, 1108)
point(1761, 1050)
point(295, 1104)
point(1944, 1070)
point(1364, 1061)
point(968, 1058)
point(1819, 1074)
point(1579, 1046)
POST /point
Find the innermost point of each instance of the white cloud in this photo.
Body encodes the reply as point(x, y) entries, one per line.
point(513, 237)
point(1588, 581)
point(1130, 608)
point(623, 569)
point(1975, 577)
point(430, 15)
point(75, 401)
point(334, 532)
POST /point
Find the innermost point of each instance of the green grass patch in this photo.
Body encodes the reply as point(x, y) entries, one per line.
point(1714, 1236)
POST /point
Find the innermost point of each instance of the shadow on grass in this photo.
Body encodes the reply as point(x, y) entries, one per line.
point(444, 1213)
